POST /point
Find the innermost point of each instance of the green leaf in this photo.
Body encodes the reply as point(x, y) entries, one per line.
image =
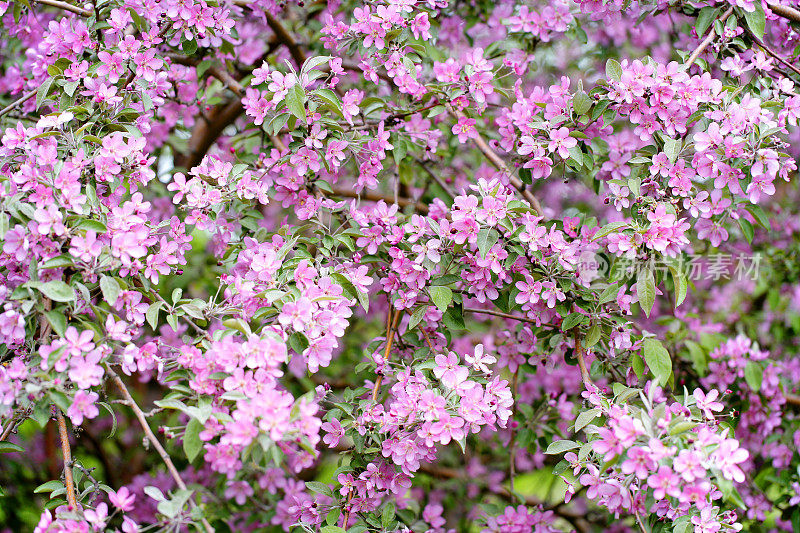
point(704, 20)
point(56, 290)
point(192, 445)
point(581, 103)
point(760, 216)
point(681, 285)
point(44, 90)
point(441, 296)
point(50, 486)
point(319, 488)
point(585, 418)
point(332, 529)
point(756, 21)
point(298, 342)
point(387, 516)
point(453, 319)
point(560, 446)
point(572, 320)
point(613, 70)
point(608, 228)
point(8, 447)
point(110, 289)
point(57, 320)
point(754, 375)
point(698, 355)
point(657, 359)
point(592, 336)
point(152, 313)
point(487, 238)
point(646, 290)
point(672, 147)
point(416, 317)
point(58, 261)
point(747, 229)
point(296, 100)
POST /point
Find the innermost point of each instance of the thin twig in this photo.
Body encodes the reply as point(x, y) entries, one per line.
point(500, 314)
point(587, 379)
point(772, 53)
point(705, 42)
point(27, 96)
point(67, 453)
point(66, 7)
point(152, 438)
point(377, 197)
point(499, 164)
point(391, 325)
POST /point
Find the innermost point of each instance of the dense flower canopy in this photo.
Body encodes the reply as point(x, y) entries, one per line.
point(399, 265)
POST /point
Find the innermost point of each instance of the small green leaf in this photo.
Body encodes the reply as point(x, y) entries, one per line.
point(441, 296)
point(581, 103)
point(319, 488)
point(707, 16)
point(585, 418)
point(560, 446)
point(8, 447)
point(572, 320)
point(754, 375)
point(387, 516)
point(747, 229)
point(657, 359)
point(57, 320)
point(592, 336)
point(110, 289)
point(191, 439)
point(152, 313)
point(646, 290)
point(487, 238)
point(56, 290)
point(296, 100)
point(613, 70)
point(672, 147)
point(50, 486)
point(416, 317)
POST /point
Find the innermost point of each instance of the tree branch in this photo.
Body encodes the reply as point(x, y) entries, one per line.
point(24, 98)
point(786, 12)
point(67, 453)
point(152, 438)
point(377, 197)
point(705, 42)
point(66, 7)
point(587, 379)
point(498, 163)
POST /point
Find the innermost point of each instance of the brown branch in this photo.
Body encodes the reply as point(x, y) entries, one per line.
point(500, 314)
point(792, 399)
point(785, 11)
point(498, 163)
point(152, 438)
point(377, 197)
point(283, 36)
point(391, 325)
point(24, 98)
point(587, 379)
point(66, 7)
point(67, 453)
point(705, 42)
point(772, 53)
